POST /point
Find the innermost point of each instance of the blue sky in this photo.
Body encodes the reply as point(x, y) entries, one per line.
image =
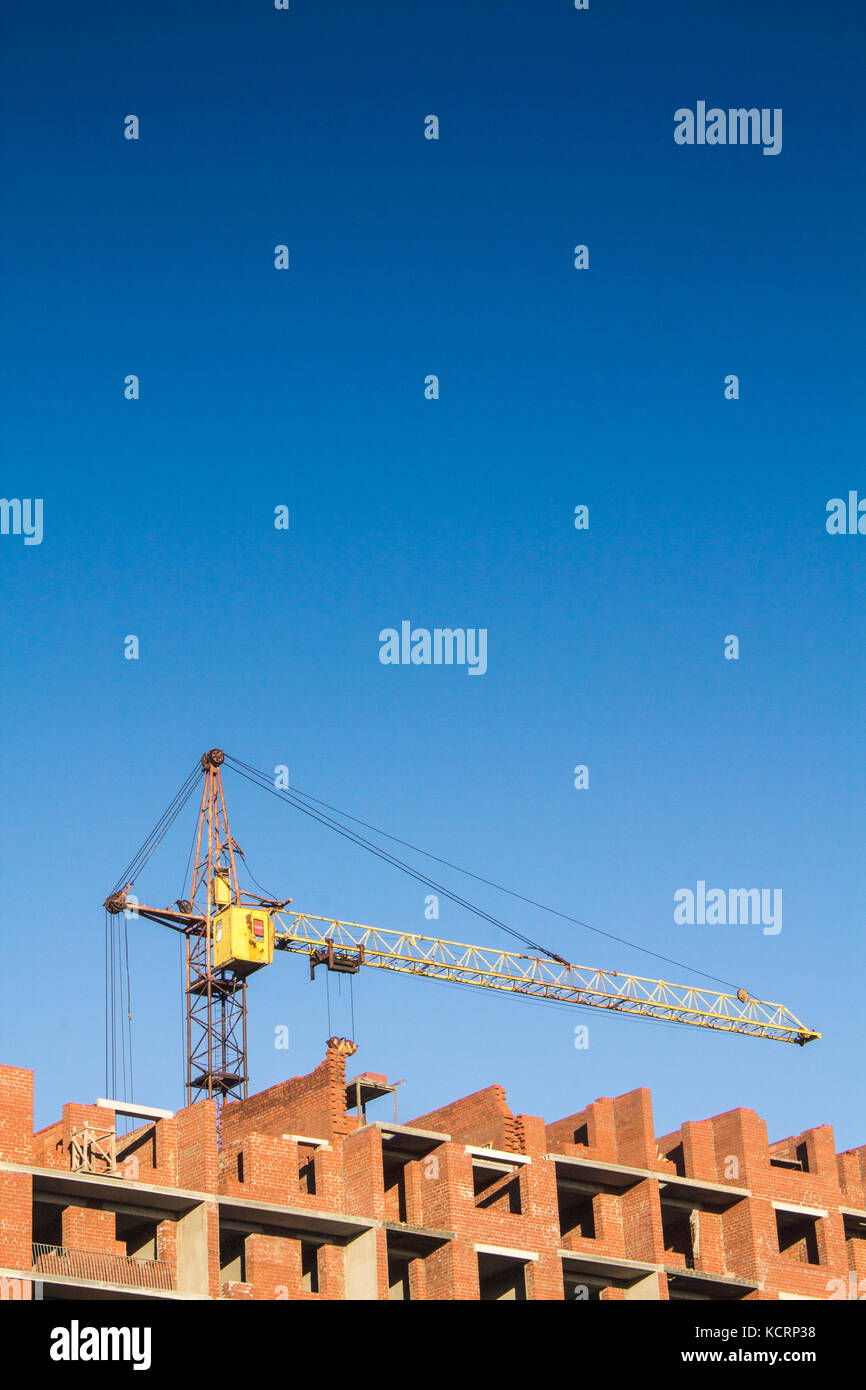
point(557, 387)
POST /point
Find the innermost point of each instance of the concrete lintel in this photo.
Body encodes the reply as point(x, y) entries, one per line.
point(796, 1209)
point(703, 1279)
point(135, 1112)
point(497, 1155)
point(308, 1139)
point(399, 1228)
point(412, 1131)
point(622, 1173)
point(505, 1253)
point(616, 1175)
point(609, 1266)
point(712, 1190)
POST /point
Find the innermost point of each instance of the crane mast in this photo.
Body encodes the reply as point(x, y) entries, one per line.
point(215, 992)
point(231, 933)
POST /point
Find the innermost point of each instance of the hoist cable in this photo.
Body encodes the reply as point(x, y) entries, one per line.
point(611, 936)
point(157, 834)
point(261, 780)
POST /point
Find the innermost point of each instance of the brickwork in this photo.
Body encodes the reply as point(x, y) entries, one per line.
point(292, 1197)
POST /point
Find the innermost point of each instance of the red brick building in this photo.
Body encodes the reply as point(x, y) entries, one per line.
point(304, 1196)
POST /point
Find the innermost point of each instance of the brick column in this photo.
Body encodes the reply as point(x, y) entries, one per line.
point(16, 1189)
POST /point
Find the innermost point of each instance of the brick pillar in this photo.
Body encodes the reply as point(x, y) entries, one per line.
point(539, 1203)
point(212, 1227)
point(197, 1158)
point(362, 1169)
point(273, 1266)
point(601, 1130)
point(710, 1245)
point(166, 1248)
point(165, 1147)
point(414, 1183)
point(750, 1238)
point(642, 1223)
point(16, 1189)
point(544, 1281)
point(16, 1221)
point(532, 1135)
point(16, 1115)
point(608, 1217)
point(332, 1272)
point(451, 1273)
point(270, 1169)
point(741, 1147)
point(446, 1186)
point(635, 1135)
point(699, 1152)
point(852, 1176)
point(418, 1281)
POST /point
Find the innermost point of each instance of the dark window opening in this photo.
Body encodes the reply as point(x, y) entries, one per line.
point(576, 1215)
point(138, 1236)
point(499, 1191)
point(798, 1164)
point(398, 1277)
point(307, 1176)
point(581, 1136)
point(677, 1158)
point(678, 1292)
point(395, 1192)
point(581, 1289)
point(677, 1231)
point(233, 1257)
point(855, 1245)
point(798, 1237)
point(47, 1223)
point(309, 1267)
point(500, 1279)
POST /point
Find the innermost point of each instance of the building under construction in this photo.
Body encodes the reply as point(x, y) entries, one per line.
point(312, 1190)
point(307, 1190)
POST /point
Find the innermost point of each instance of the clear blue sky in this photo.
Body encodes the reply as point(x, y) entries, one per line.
point(558, 387)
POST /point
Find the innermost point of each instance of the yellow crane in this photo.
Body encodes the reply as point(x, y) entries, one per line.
point(231, 933)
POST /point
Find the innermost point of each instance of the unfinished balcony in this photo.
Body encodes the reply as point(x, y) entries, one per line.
point(97, 1267)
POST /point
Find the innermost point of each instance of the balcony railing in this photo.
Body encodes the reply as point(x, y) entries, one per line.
point(60, 1261)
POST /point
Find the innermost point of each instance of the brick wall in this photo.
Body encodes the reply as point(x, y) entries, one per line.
point(482, 1118)
point(314, 1104)
point(430, 1206)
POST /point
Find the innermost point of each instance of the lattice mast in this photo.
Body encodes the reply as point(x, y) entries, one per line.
point(228, 933)
point(216, 998)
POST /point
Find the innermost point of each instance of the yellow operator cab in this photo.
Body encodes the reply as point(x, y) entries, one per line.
point(243, 939)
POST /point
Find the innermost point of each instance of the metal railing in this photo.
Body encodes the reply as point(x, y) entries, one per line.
point(59, 1260)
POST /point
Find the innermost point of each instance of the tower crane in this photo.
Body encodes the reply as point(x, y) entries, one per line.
point(231, 933)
